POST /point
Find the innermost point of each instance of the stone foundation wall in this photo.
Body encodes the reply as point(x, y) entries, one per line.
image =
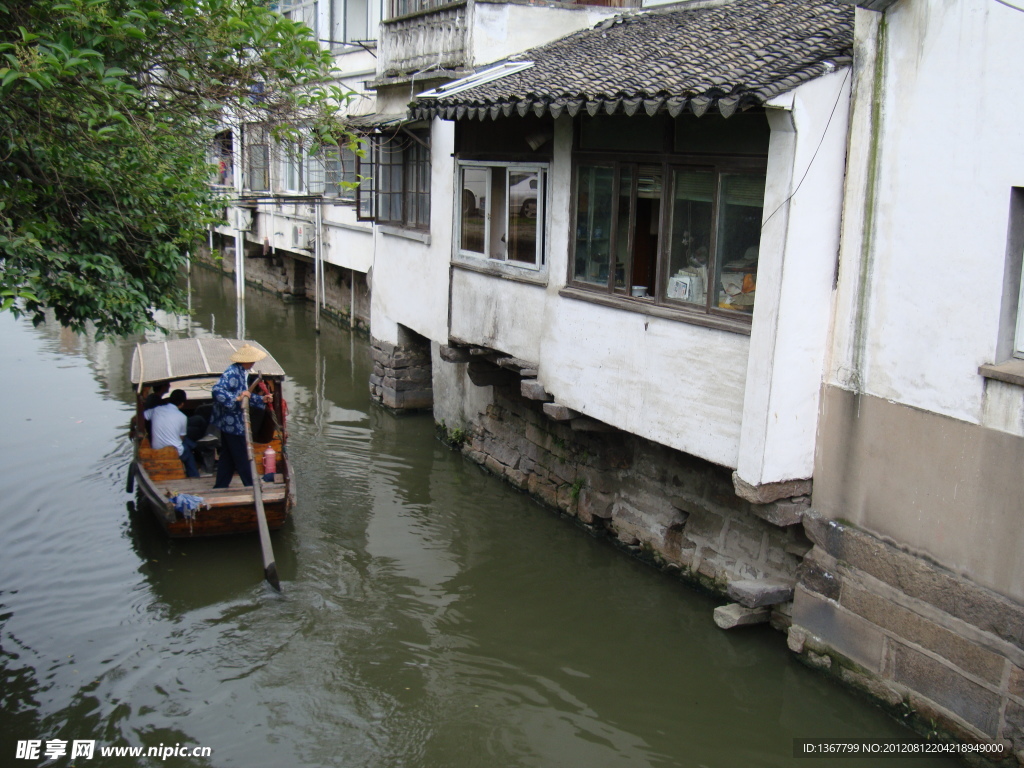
point(920, 638)
point(678, 511)
point(401, 377)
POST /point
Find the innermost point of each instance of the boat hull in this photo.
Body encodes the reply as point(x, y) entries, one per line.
point(224, 512)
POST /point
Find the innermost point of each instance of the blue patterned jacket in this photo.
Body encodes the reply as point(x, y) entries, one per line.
point(227, 412)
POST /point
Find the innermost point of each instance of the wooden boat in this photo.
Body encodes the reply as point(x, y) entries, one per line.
point(195, 365)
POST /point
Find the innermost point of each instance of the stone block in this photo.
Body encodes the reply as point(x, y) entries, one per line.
point(454, 354)
point(923, 631)
point(381, 350)
point(1016, 682)
point(557, 412)
point(976, 705)
point(781, 513)
point(418, 374)
point(743, 541)
point(850, 635)
point(766, 493)
point(704, 524)
point(1014, 725)
point(563, 470)
point(919, 578)
point(760, 592)
point(494, 466)
point(593, 504)
point(517, 478)
point(736, 615)
point(532, 389)
point(543, 490)
point(816, 576)
point(413, 400)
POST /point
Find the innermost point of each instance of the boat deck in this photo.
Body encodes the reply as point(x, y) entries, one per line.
point(234, 494)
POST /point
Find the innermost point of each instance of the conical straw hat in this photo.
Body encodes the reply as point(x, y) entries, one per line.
point(247, 353)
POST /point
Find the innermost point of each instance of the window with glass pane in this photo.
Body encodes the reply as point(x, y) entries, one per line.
point(418, 167)
point(690, 243)
point(684, 237)
point(292, 167)
point(339, 172)
point(524, 201)
point(258, 177)
point(403, 181)
point(389, 182)
point(475, 198)
point(316, 171)
point(741, 202)
point(624, 229)
point(366, 192)
point(357, 21)
point(502, 214)
point(646, 232)
point(594, 198)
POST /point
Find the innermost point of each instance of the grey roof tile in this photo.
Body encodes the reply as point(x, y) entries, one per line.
point(745, 51)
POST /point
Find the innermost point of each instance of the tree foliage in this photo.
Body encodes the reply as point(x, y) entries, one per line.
point(107, 109)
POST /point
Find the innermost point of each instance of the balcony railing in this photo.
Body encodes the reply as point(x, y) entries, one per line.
point(425, 36)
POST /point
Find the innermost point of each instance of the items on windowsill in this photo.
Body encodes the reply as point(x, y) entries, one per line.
point(688, 284)
point(739, 282)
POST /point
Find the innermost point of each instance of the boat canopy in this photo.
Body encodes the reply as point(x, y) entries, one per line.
point(189, 358)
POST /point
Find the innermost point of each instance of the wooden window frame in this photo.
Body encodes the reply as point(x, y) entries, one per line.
point(668, 163)
point(403, 183)
point(542, 170)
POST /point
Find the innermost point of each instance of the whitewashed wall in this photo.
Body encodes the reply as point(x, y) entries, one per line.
point(410, 269)
point(498, 29)
point(744, 402)
point(924, 249)
point(796, 268)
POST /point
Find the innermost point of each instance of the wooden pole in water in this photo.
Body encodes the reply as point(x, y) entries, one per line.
point(269, 564)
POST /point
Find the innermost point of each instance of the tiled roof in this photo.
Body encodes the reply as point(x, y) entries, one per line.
point(724, 55)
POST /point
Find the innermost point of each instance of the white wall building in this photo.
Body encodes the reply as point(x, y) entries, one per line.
point(918, 473)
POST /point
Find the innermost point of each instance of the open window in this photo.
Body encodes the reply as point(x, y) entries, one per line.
point(502, 211)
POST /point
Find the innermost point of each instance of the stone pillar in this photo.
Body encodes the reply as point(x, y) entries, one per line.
point(401, 377)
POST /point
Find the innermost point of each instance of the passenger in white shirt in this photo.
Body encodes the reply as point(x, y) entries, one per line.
point(169, 426)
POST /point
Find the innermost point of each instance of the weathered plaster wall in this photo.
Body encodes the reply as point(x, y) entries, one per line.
point(921, 289)
point(410, 269)
point(499, 29)
point(798, 253)
point(915, 586)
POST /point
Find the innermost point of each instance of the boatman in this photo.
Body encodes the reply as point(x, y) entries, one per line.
point(228, 393)
point(170, 426)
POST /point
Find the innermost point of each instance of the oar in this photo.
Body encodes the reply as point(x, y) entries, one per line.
point(269, 565)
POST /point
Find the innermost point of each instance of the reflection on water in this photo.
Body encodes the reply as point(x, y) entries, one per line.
point(431, 615)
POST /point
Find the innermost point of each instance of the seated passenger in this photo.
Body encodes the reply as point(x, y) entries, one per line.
point(170, 428)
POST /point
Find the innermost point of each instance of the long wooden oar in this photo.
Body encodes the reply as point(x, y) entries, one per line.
point(269, 565)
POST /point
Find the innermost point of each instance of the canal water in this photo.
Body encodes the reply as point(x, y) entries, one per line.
point(431, 616)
